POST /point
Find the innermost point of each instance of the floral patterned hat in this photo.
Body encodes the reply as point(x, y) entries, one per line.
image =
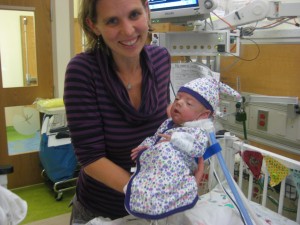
point(206, 90)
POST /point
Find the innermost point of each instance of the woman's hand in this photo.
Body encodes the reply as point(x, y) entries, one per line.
point(199, 171)
point(135, 151)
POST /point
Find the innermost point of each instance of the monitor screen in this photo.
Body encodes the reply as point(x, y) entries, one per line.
point(158, 5)
point(173, 10)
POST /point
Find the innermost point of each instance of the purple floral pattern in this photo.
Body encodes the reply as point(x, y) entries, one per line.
point(164, 181)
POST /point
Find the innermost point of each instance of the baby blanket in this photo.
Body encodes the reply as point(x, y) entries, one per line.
point(164, 181)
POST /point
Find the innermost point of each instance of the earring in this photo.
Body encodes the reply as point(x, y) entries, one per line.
point(98, 42)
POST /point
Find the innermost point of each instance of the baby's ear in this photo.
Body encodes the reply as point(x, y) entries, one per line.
point(205, 115)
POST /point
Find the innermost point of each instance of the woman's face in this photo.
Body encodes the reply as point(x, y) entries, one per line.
point(186, 108)
point(123, 25)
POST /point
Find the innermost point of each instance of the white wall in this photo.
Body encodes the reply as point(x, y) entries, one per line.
point(62, 41)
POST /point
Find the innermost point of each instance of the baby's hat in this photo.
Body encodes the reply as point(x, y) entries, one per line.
point(206, 90)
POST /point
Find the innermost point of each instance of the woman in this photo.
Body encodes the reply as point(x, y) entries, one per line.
point(116, 94)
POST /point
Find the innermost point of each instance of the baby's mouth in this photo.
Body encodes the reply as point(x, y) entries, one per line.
point(176, 111)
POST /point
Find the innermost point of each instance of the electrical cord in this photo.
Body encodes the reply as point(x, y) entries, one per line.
point(238, 58)
point(244, 59)
point(277, 23)
point(227, 193)
point(172, 88)
point(229, 25)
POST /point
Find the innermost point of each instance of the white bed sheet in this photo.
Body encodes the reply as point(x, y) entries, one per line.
point(13, 209)
point(213, 208)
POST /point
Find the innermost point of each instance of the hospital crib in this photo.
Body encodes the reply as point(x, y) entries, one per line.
point(217, 202)
point(282, 198)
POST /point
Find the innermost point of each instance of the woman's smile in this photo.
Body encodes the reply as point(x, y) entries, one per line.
point(130, 42)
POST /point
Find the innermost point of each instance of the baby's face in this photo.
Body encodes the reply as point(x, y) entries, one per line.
point(186, 108)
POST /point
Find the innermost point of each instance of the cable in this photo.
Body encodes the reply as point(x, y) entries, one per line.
point(277, 23)
point(212, 140)
point(229, 25)
point(230, 66)
point(211, 22)
point(223, 188)
point(249, 60)
point(172, 87)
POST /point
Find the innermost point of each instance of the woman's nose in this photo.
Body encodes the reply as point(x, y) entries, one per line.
point(127, 28)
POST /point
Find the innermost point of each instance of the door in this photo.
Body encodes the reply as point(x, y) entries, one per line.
point(37, 46)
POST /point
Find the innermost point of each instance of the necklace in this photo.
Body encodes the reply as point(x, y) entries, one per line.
point(129, 86)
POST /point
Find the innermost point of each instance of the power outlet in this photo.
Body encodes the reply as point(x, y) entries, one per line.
point(262, 120)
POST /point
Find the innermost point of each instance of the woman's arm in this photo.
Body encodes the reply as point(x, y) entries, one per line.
point(86, 124)
point(108, 173)
point(199, 171)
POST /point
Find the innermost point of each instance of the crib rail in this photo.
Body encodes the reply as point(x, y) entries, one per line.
point(232, 147)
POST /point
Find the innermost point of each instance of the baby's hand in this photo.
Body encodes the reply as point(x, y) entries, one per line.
point(166, 137)
point(135, 151)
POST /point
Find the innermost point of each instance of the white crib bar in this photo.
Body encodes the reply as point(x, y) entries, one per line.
point(281, 196)
point(228, 157)
point(241, 170)
point(250, 186)
point(265, 189)
point(298, 211)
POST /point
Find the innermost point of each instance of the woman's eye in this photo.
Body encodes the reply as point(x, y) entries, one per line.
point(135, 15)
point(112, 21)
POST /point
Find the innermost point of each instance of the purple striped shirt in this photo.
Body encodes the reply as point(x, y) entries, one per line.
point(101, 126)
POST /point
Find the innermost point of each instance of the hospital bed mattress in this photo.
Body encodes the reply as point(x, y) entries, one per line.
point(213, 208)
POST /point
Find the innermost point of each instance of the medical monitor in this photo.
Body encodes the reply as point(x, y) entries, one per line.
point(174, 11)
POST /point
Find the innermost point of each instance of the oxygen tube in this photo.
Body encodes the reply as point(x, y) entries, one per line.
point(213, 142)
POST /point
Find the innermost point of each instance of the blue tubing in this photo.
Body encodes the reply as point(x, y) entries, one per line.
point(230, 182)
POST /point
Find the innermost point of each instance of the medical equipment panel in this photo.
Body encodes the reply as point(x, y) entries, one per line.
point(195, 43)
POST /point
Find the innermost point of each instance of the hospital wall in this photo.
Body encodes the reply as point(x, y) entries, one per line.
point(275, 72)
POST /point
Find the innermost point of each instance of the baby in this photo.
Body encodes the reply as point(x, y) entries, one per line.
point(164, 181)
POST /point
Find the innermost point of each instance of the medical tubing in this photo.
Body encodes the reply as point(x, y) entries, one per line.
point(226, 192)
point(238, 199)
point(245, 130)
